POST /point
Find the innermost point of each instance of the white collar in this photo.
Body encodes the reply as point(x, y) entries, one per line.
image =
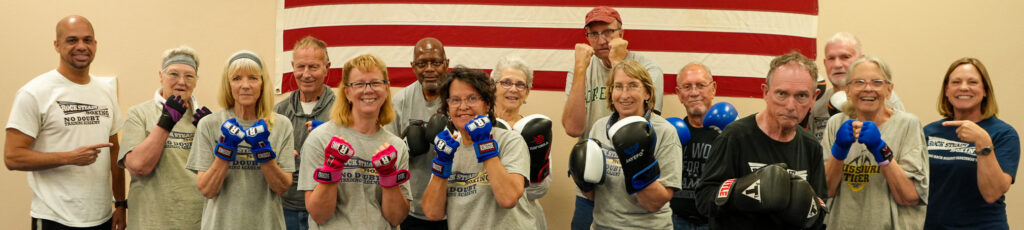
point(160, 100)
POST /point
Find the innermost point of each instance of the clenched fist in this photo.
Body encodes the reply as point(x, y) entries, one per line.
point(618, 51)
point(583, 54)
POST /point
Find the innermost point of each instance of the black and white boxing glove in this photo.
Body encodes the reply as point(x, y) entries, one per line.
point(586, 164)
point(536, 131)
point(416, 138)
point(634, 140)
point(765, 190)
point(805, 210)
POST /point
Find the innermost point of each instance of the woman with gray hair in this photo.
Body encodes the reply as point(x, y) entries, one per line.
point(513, 79)
point(157, 138)
point(878, 153)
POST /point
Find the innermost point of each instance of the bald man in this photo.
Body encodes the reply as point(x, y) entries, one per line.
point(56, 134)
point(413, 105)
point(696, 89)
point(840, 51)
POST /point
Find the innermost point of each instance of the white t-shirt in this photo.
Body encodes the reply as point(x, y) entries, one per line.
point(62, 115)
point(308, 107)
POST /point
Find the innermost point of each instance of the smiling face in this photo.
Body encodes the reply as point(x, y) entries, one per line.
point(868, 88)
point(838, 57)
point(512, 89)
point(179, 80)
point(309, 66)
point(965, 89)
point(464, 103)
point(367, 99)
point(628, 94)
point(429, 63)
point(695, 90)
point(246, 87)
point(76, 42)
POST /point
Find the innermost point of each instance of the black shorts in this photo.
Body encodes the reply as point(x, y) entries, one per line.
point(44, 224)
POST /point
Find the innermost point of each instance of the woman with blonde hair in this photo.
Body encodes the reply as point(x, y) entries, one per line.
point(975, 154)
point(235, 151)
point(361, 182)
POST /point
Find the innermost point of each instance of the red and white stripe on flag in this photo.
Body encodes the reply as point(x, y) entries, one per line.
point(735, 39)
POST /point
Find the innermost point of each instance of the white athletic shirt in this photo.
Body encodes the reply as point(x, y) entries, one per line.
point(62, 115)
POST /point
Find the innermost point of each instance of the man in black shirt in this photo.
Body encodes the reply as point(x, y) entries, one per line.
point(769, 137)
point(696, 89)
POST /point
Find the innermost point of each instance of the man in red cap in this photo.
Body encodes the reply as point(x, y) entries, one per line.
point(585, 85)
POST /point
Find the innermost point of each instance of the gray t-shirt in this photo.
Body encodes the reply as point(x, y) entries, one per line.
point(359, 192)
point(863, 200)
point(614, 208)
point(409, 104)
point(167, 198)
point(819, 113)
point(245, 200)
point(594, 90)
point(471, 202)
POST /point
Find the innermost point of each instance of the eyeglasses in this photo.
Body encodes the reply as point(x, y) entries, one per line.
point(175, 76)
point(434, 63)
point(372, 84)
point(689, 87)
point(800, 97)
point(507, 84)
point(470, 101)
point(632, 86)
point(860, 83)
point(606, 33)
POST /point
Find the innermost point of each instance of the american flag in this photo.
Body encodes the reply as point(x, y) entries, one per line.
point(736, 39)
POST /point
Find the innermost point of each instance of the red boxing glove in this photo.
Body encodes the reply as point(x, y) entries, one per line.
point(337, 152)
point(384, 162)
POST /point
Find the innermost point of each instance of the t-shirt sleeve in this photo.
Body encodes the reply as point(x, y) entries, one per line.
point(287, 141)
point(514, 155)
point(1007, 150)
point(718, 168)
point(913, 158)
point(201, 156)
point(25, 115)
point(312, 151)
point(568, 83)
point(134, 133)
point(658, 78)
point(670, 159)
point(115, 113)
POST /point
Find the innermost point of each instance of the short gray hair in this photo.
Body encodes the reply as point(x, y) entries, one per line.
point(872, 59)
point(707, 71)
point(514, 62)
point(846, 37)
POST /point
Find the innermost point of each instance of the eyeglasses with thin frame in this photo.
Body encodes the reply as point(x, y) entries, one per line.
point(608, 33)
point(434, 63)
point(632, 86)
point(362, 85)
point(860, 83)
point(470, 101)
point(175, 75)
point(507, 84)
point(689, 87)
point(800, 97)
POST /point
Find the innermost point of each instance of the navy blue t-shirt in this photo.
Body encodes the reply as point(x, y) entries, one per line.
point(954, 201)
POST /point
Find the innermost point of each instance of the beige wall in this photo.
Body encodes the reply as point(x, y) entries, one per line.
point(918, 41)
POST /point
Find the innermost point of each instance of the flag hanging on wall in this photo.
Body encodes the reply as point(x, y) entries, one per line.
point(735, 39)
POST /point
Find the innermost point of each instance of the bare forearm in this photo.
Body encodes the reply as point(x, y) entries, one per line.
point(574, 114)
point(833, 175)
point(507, 187)
point(902, 188)
point(143, 158)
point(211, 180)
point(116, 173)
point(394, 206)
point(24, 159)
point(321, 202)
point(277, 179)
point(992, 181)
point(654, 197)
point(435, 198)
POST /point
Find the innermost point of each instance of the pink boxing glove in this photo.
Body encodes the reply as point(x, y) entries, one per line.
point(337, 152)
point(384, 162)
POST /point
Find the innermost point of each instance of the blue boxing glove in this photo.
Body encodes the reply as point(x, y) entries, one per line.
point(230, 135)
point(634, 141)
point(258, 138)
point(844, 139)
point(681, 129)
point(720, 115)
point(314, 124)
point(480, 132)
point(872, 138)
point(445, 145)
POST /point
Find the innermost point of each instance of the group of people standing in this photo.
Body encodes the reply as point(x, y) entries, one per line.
point(453, 151)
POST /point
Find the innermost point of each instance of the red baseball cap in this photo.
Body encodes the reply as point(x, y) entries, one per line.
point(602, 14)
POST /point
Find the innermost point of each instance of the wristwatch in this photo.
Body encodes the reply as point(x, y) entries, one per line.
point(123, 203)
point(984, 151)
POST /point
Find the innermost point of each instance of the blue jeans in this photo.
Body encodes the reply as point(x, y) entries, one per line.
point(683, 224)
point(584, 214)
point(296, 220)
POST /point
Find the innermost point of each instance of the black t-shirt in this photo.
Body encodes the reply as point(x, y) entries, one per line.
point(695, 155)
point(743, 148)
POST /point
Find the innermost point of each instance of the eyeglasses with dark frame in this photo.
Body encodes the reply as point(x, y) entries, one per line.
point(507, 84)
point(860, 83)
point(606, 33)
point(434, 63)
point(362, 85)
point(470, 101)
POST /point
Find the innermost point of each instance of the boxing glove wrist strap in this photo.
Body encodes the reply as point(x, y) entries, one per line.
point(225, 152)
point(394, 178)
point(327, 175)
point(485, 149)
